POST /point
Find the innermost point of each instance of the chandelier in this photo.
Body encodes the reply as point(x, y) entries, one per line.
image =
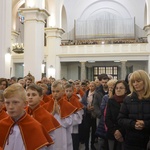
point(18, 48)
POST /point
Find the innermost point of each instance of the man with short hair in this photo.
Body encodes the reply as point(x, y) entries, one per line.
point(101, 90)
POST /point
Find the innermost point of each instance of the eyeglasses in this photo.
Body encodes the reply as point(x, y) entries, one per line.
point(120, 88)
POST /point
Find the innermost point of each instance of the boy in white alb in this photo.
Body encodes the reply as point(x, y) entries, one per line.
point(19, 131)
point(62, 111)
point(77, 116)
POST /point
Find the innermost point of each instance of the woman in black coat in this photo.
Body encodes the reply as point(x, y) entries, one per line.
point(134, 114)
point(114, 131)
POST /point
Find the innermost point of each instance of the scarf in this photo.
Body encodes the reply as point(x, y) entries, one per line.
point(119, 99)
point(90, 97)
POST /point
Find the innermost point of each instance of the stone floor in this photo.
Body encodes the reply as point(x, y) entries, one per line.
point(83, 148)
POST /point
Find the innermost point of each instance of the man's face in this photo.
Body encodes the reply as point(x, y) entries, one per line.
point(104, 83)
point(84, 87)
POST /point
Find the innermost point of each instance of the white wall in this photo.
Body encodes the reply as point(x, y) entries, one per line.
point(70, 69)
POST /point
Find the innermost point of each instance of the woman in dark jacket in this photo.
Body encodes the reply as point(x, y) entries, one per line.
point(114, 131)
point(134, 114)
point(89, 116)
point(101, 130)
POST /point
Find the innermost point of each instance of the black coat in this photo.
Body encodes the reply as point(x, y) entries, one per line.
point(131, 110)
point(111, 121)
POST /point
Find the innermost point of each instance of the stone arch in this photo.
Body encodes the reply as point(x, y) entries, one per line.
point(14, 13)
point(111, 7)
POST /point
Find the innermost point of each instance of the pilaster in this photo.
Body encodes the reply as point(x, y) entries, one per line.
point(148, 69)
point(14, 36)
point(53, 37)
point(123, 70)
point(90, 73)
point(34, 40)
point(83, 71)
point(5, 37)
point(147, 29)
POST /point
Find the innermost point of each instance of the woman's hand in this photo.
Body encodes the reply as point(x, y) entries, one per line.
point(118, 136)
point(89, 108)
point(139, 125)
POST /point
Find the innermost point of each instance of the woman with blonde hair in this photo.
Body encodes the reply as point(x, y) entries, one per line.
point(134, 113)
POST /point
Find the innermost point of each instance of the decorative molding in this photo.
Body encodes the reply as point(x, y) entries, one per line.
point(26, 10)
point(14, 33)
point(54, 32)
point(147, 27)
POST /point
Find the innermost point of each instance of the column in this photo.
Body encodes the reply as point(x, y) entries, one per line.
point(148, 70)
point(35, 4)
point(83, 71)
point(53, 37)
point(90, 73)
point(147, 29)
point(34, 37)
point(14, 37)
point(5, 37)
point(123, 70)
point(55, 10)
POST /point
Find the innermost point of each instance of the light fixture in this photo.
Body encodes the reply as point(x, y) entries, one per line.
point(51, 71)
point(43, 67)
point(91, 61)
point(103, 42)
point(116, 60)
point(9, 50)
point(8, 55)
point(18, 48)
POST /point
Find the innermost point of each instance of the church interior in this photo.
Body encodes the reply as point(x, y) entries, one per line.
point(74, 39)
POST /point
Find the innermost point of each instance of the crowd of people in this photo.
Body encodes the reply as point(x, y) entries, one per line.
point(62, 114)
